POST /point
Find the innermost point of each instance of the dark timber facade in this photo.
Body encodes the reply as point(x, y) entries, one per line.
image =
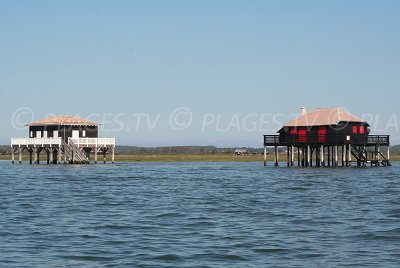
point(329, 137)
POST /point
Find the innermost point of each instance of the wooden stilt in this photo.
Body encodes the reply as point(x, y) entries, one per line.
point(378, 153)
point(113, 155)
point(51, 156)
point(276, 156)
point(105, 156)
point(95, 155)
point(308, 156)
point(343, 156)
point(292, 155)
point(322, 156)
point(265, 156)
point(388, 153)
point(349, 152)
point(65, 154)
point(35, 155)
point(48, 157)
point(38, 156)
point(30, 155)
point(288, 155)
point(12, 155)
point(336, 156)
point(59, 155)
point(20, 155)
point(298, 156)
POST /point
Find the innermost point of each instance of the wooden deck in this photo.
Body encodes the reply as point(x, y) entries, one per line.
point(57, 150)
point(365, 152)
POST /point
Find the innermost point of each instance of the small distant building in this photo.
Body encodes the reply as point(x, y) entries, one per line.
point(63, 138)
point(242, 151)
point(326, 132)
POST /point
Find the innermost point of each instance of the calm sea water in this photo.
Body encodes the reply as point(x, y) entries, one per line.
point(198, 215)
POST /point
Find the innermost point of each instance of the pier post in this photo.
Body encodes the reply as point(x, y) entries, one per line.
point(343, 151)
point(288, 156)
point(48, 156)
point(298, 156)
point(113, 155)
point(378, 155)
point(322, 156)
point(329, 156)
point(20, 155)
point(388, 153)
point(349, 154)
point(12, 155)
point(51, 156)
point(104, 156)
point(276, 156)
point(336, 156)
point(65, 153)
point(30, 155)
point(265, 156)
point(292, 155)
point(308, 156)
point(59, 155)
point(95, 155)
point(35, 155)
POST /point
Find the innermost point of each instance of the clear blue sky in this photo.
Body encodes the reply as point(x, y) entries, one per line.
point(226, 58)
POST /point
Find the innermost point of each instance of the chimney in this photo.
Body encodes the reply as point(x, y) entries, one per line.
point(303, 110)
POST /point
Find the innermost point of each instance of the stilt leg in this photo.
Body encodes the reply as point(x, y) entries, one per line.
point(265, 156)
point(349, 152)
point(12, 155)
point(298, 157)
point(276, 156)
point(292, 155)
point(113, 155)
point(95, 155)
point(51, 156)
point(322, 156)
point(336, 156)
point(20, 155)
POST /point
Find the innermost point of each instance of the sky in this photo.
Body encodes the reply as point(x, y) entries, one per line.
point(223, 73)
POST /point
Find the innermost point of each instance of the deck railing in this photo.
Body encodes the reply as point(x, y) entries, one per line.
point(271, 140)
point(378, 140)
point(35, 141)
point(372, 140)
point(88, 142)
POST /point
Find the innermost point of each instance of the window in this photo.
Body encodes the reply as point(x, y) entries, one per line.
point(321, 134)
point(302, 135)
point(355, 130)
point(293, 131)
point(31, 134)
point(84, 133)
point(362, 130)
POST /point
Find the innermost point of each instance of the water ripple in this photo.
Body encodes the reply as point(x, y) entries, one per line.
point(198, 215)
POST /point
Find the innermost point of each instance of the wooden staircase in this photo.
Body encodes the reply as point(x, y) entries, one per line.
point(73, 154)
point(375, 158)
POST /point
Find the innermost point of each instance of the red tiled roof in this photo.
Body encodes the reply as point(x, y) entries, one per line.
point(323, 117)
point(63, 120)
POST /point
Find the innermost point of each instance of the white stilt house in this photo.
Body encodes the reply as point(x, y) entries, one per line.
point(63, 138)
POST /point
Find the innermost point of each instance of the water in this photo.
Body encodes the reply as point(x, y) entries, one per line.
point(198, 215)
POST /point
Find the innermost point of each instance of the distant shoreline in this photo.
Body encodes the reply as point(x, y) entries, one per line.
point(187, 158)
